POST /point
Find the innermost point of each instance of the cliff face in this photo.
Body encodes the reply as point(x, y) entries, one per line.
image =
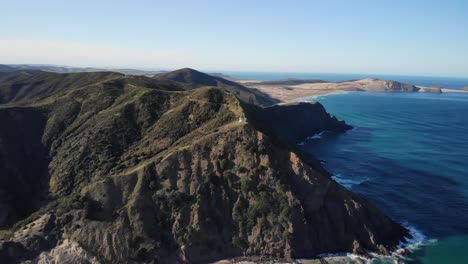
point(294, 122)
point(130, 174)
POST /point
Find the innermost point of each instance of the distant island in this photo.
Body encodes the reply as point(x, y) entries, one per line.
point(182, 167)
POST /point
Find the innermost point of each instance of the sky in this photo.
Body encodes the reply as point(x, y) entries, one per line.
point(415, 37)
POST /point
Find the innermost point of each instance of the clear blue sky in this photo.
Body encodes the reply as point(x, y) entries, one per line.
point(386, 37)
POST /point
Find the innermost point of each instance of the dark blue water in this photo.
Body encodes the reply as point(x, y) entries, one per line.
point(445, 82)
point(408, 154)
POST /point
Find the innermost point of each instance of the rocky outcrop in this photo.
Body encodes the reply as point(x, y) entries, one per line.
point(140, 174)
point(294, 122)
point(401, 87)
point(29, 241)
point(66, 251)
point(377, 85)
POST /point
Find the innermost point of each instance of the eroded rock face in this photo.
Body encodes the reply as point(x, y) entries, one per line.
point(31, 239)
point(142, 175)
point(292, 123)
point(66, 251)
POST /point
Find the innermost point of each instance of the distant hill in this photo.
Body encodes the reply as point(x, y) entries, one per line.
point(49, 68)
point(192, 79)
point(67, 69)
point(30, 86)
point(72, 69)
point(221, 75)
point(19, 86)
point(6, 68)
point(289, 81)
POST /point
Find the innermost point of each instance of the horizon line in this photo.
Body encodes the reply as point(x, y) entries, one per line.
point(142, 68)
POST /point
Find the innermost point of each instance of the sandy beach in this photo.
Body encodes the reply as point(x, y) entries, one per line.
point(292, 90)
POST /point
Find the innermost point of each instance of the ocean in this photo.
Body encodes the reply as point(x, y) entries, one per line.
point(445, 82)
point(408, 154)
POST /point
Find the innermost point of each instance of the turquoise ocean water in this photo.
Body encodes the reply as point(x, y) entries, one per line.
point(408, 154)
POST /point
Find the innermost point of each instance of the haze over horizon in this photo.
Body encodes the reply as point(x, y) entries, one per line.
point(425, 38)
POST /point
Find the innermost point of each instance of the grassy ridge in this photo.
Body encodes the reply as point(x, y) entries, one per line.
point(137, 169)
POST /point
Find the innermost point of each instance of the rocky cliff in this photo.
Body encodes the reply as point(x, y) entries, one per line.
point(127, 171)
point(294, 122)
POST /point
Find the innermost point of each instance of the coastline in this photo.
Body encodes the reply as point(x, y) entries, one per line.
point(294, 90)
point(308, 98)
point(423, 115)
point(405, 248)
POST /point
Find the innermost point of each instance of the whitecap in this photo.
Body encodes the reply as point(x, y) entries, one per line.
point(417, 240)
point(347, 182)
point(316, 136)
point(413, 243)
point(417, 236)
point(351, 256)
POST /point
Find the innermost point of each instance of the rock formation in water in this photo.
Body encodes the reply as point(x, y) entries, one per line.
point(107, 168)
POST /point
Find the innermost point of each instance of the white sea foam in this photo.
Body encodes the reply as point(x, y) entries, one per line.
point(418, 239)
point(417, 236)
point(351, 256)
point(347, 182)
point(316, 136)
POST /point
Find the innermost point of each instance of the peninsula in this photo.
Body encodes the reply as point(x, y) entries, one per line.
point(102, 167)
point(290, 90)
